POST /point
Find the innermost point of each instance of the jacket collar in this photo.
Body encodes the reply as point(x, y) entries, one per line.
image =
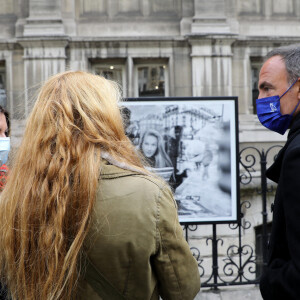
point(273, 172)
point(112, 167)
point(295, 126)
point(109, 171)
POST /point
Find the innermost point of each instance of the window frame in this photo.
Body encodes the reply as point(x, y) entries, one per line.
point(3, 71)
point(255, 63)
point(106, 64)
point(153, 62)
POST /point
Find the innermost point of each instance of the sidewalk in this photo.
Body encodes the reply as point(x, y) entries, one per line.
point(230, 293)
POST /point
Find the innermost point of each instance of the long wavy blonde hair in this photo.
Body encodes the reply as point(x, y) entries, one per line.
point(46, 207)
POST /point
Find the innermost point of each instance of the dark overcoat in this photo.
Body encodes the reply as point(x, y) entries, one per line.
point(281, 279)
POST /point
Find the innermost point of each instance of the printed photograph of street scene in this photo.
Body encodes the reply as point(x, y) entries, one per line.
point(191, 144)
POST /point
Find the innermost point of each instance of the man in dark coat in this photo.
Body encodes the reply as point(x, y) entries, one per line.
point(278, 109)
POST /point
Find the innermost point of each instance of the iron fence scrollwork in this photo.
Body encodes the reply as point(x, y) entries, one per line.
point(238, 265)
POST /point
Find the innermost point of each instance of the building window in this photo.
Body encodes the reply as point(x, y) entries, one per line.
point(112, 70)
point(151, 80)
point(256, 64)
point(3, 95)
point(259, 247)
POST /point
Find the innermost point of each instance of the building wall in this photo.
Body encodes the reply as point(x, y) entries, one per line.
point(209, 48)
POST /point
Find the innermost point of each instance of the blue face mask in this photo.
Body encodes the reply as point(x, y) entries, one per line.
point(4, 149)
point(269, 115)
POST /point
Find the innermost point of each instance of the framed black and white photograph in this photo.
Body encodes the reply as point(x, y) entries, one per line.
point(192, 143)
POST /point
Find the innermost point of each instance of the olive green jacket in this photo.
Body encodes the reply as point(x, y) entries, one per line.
point(136, 242)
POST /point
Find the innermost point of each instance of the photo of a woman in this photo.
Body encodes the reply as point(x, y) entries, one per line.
point(152, 147)
point(179, 139)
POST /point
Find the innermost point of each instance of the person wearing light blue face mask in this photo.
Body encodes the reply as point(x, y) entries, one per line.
point(4, 146)
point(4, 149)
point(278, 109)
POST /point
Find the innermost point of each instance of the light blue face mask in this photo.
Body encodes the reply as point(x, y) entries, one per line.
point(269, 115)
point(4, 149)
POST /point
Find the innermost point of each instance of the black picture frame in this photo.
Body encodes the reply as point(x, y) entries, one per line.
point(200, 137)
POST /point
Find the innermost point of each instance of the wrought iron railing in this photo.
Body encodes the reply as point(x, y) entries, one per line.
point(239, 263)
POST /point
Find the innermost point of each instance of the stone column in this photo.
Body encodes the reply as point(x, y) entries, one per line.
point(6, 54)
point(44, 44)
point(211, 66)
point(78, 58)
point(44, 19)
point(130, 76)
point(42, 58)
point(209, 17)
point(242, 78)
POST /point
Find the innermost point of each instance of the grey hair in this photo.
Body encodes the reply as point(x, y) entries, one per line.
point(291, 57)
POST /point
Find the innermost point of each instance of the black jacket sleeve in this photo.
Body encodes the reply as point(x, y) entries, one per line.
point(281, 280)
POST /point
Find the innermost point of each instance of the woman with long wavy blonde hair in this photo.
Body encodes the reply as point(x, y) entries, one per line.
point(74, 137)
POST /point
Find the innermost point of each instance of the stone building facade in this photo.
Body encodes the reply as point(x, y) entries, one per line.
point(151, 47)
point(193, 47)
